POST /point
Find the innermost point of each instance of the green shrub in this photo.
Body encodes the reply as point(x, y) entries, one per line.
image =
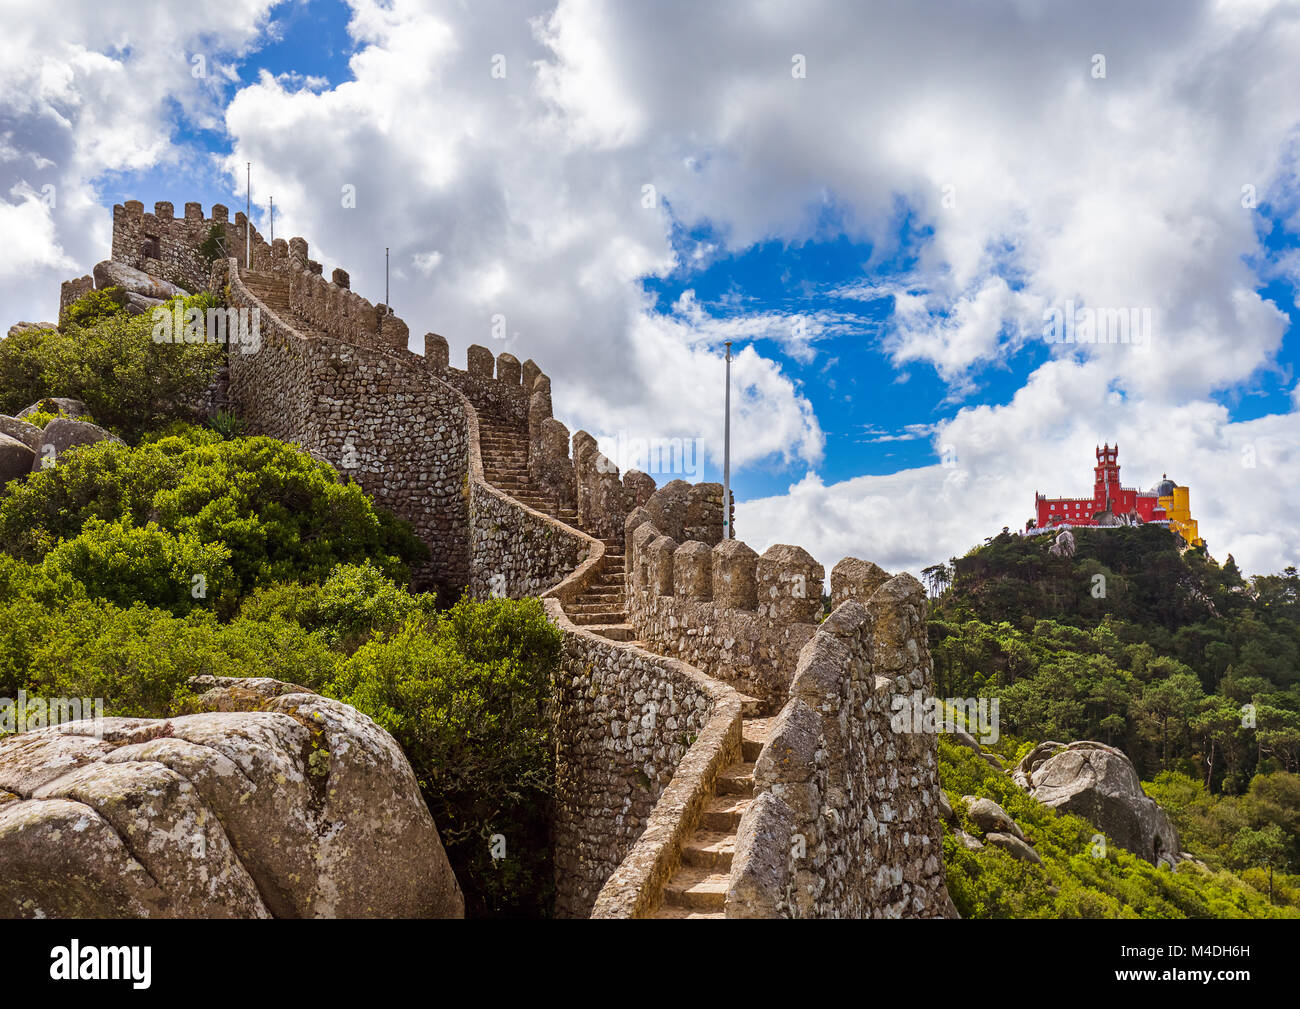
point(467, 697)
point(278, 513)
point(353, 604)
point(94, 306)
point(109, 361)
point(126, 564)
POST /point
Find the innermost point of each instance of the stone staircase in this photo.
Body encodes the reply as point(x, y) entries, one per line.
point(272, 291)
point(602, 608)
point(698, 889)
point(505, 466)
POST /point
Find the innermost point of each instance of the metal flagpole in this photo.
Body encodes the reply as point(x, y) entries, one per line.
point(248, 216)
point(727, 532)
point(272, 220)
point(386, 301)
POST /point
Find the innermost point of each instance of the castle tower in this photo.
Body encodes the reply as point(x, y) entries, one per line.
point(1106, 477)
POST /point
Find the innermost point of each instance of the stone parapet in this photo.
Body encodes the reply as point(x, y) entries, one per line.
point(845, 820)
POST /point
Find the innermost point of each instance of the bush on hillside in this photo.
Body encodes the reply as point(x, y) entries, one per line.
point(273, 512)
point(109, 361)
point(467, 697)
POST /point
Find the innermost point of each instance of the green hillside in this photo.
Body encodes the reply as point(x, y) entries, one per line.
point(1189, 668)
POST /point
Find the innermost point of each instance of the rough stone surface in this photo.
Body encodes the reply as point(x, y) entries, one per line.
point(762, 859)
point(73, 408)
point(853, 578)
point(1017, 846)
point(28, 434)
point(989, 816)
point(626, 720)
point(133, 281)
point(15, 458)
point(269, 802)
point(61, 435)
point(24, 327)
point(865, 837)
point(676, 605)
point(1099, 783)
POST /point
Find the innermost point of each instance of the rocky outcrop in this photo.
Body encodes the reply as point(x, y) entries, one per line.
point(270, 801)
point(23, 327)
point(1098, 782)
point(990, 817)
point(133, 281)
point(29, 434)
point(62, 405)
point(15, 458)
point(62, 434)
point(1018, 847)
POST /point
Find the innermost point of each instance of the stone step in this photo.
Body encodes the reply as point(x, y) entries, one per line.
point(600, 617)
point(723, 812)
point(710, 849)
point(697, 888)
point(615, 632)
point(738, 779)
point(751, 707)
point(669, 911)
point(754, 733)
point(581, 614)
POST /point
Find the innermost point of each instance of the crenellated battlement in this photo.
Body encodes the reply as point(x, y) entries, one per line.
point(173, 248)
point(715, 602)
point(674, 637)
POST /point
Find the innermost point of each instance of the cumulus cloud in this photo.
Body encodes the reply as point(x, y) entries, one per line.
point(1240, 475)
point(529, 167)
point(89, 88)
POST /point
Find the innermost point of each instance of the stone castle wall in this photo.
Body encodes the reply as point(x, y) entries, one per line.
point(640, 738)
point(169, 247)
point(642, 732)
point(374, 417)
point(843, 824)
point(738, 616)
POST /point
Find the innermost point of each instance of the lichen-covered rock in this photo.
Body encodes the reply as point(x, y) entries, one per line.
point(133, 281)
point(24, 327)
point(62, 434)
point(1099, 783)
point(1017, 846)
point(989, 816)
point(64, 405)
point(269, 801)
point(29, 434)
point(854, 578)
point(15, 458)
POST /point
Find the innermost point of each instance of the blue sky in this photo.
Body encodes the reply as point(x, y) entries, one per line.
point(783, 201)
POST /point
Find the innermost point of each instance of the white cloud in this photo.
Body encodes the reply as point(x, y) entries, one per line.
point(88, 88)
point(1241, 477)
point(522, 197)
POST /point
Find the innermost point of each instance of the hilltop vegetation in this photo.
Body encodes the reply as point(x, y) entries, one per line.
point(127, 569)
point(1079, 877)
point(1189, 668)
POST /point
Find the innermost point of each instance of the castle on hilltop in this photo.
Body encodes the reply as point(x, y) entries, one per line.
point(1112, 504)
point(724, 748)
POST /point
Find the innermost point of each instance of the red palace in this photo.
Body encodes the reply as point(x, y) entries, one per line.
point(1112, 504)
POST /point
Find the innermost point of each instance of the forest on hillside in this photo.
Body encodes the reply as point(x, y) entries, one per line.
point(1187, 666)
